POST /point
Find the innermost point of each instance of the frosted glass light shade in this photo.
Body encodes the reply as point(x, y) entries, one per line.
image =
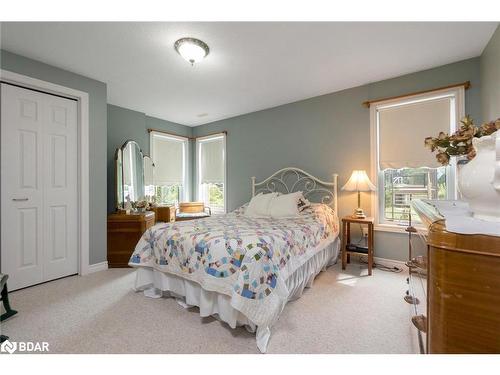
point(191, 49)
point(359, 181)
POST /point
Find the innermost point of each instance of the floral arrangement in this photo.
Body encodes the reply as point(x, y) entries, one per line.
point(152, 201)
point(460, 142)
point(140, 205)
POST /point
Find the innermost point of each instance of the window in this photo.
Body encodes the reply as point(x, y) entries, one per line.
point(402, 167)
point(211, 161)
point(170, 155)
point(402, 185)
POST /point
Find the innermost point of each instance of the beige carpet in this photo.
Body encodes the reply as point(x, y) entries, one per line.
point(345, 312)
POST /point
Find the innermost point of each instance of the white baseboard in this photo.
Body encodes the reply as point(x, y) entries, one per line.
point(103, 266)
point(384, 261)
point(398, 263)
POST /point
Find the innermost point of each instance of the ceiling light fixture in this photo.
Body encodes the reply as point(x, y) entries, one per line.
point(191, 49)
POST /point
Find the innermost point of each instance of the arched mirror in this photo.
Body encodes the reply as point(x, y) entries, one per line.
point(119, 178)
point(129, 173)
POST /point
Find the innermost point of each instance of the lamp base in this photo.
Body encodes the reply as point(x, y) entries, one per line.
point(359, 213)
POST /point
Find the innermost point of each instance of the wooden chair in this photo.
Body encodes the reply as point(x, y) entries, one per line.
point(4, 298)
point(192, 210)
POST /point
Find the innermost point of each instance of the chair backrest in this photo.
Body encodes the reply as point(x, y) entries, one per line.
point(191, 207)
point(3, 280)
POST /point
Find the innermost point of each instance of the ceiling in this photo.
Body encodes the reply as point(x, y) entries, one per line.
point(251, 66)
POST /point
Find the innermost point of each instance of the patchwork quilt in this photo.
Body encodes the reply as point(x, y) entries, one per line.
point(246, 258)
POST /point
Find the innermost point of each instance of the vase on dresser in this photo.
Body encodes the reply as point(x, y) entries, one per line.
point(479, 179)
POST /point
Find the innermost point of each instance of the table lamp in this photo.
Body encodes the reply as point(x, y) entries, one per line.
point(359, 182)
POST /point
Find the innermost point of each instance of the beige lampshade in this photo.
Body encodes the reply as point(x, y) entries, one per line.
point(359, 181)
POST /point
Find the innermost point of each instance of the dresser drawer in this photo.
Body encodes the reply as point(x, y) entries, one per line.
point(124, 231)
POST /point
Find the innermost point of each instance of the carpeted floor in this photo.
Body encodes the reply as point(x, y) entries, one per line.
point(345, 312)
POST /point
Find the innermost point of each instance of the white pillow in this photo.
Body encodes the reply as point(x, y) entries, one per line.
point(259, 205)
point(285, 205)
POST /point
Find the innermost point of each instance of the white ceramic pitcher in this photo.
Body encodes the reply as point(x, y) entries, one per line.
point(479, 179)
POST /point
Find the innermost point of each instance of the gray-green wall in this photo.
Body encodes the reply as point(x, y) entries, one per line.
point(490, 78)
point(125, 124)
point(327, 134)
point(97, 137)
point(323, 135)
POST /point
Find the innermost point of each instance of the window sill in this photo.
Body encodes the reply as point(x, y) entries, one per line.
point(392, 228)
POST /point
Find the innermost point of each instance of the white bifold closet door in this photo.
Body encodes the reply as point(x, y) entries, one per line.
point(39, 195)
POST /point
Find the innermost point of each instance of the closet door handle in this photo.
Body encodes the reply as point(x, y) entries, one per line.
point(19, 199)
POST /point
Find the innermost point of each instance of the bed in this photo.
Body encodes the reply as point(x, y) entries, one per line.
point(240, 269)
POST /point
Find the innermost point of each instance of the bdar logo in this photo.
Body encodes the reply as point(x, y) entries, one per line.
point(24, 346)
point(9, 347)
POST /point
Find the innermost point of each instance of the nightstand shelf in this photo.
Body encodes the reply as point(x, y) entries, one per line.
point(348, 248)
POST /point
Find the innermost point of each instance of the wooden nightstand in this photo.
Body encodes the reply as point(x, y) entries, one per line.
point(164, 214)
point(346, 240)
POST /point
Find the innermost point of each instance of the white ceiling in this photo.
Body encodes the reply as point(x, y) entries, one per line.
point(251, 66)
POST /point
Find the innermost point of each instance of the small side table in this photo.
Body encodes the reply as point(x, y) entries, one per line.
point(164, 213)
point(346, 240)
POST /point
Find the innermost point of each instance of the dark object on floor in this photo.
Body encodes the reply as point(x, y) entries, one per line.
point(5, 299)
point(358, 249)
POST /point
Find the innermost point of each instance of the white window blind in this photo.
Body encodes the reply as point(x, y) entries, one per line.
point(148, 177)
point(211, 165)
point(403, 128)
point(212, 160)
point(168, 154)
point(148, 172)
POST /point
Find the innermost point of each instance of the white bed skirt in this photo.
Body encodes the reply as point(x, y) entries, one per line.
point(156, 284)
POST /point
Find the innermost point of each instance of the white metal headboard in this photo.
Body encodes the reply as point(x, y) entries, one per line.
point(289, 180)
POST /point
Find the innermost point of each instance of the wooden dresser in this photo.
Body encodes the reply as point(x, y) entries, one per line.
point(463, 286)
point(124, 231)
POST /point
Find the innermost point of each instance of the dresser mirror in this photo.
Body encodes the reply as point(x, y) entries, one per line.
point(134, 174)
point(119, 177)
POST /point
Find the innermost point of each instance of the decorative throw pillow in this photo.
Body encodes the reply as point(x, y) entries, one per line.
point(303, 203)
point(259, 205)
point(285, 205)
